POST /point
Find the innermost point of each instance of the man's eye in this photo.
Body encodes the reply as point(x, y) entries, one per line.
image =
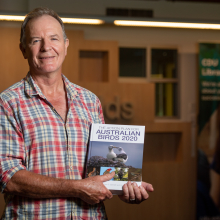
point(54, 38)
point(35, 41)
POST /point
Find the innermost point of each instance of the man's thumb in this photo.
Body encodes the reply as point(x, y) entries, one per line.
point(108, 176)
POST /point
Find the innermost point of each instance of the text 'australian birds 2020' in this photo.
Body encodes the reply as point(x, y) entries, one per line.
point(117, 135)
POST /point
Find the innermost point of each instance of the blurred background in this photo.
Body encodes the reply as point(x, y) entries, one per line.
point(152, 63)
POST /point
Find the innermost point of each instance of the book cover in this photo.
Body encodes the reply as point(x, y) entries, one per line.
point(116, 148)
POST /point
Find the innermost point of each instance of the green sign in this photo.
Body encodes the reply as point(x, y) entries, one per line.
point(209, 81)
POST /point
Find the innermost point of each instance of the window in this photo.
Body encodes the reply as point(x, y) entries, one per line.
point(163, 63)
point(132, 62)
point(164, 74)
point(165, 99)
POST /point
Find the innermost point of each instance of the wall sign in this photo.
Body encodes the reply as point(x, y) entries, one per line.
point(116, 109)
point(209, 92)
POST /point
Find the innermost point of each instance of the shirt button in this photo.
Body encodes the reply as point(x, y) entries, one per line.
point(71, 167)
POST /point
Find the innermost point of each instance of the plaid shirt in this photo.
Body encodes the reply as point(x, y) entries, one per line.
point(34, 137)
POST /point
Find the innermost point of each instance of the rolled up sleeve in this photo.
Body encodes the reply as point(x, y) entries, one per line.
point(12, 153)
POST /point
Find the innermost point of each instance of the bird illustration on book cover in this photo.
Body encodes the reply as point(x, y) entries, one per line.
point(107, 171)
point(122, 156)
point(121, 174)
point(111, 154)
point(92, 173)
point(135, 174)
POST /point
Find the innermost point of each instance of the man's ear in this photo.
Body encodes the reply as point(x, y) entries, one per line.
point(23, 50)
point(66, 45)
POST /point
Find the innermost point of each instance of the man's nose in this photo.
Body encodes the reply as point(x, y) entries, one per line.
point(45, 45)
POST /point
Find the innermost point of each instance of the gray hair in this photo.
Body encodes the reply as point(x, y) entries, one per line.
point(38, 12)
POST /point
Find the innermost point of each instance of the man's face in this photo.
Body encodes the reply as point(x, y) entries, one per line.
point(45, 46)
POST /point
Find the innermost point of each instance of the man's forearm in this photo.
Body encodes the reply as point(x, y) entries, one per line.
point(29, 184)
point(90, 190)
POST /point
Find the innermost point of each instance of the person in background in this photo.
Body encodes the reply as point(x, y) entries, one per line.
point(215, 175)
point(206, 208)
point(44, 131)
point(215, 168)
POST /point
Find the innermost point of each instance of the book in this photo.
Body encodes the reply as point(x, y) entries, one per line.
point(116, 148)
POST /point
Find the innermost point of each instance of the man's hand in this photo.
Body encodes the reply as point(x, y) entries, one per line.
point(133, 194)
point(92, 189)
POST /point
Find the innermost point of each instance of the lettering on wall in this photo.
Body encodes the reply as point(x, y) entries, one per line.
point(210, 62)
point(116, 109)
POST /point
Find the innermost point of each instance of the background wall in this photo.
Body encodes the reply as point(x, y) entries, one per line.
point(186, 41)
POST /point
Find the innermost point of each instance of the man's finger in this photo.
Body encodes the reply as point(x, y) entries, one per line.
point(143, 193)
point(131, 191)
point(147, 186)
point(125, 191)
point(137, 191)
point(125, 196)
point(107, 177)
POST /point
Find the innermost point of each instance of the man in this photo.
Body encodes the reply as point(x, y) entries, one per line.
point(44, 130)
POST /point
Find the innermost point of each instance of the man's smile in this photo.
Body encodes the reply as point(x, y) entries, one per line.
point(44, 58)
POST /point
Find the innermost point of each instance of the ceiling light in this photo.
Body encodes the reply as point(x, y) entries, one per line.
point(65, 20)
point(11, 18)
point(82, 21)
point(163, 24)
point(167, 24)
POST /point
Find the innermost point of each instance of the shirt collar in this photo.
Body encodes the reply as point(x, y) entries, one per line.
point(71, 89)
point(32, 89)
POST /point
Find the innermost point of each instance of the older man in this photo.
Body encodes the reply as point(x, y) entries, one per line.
point(44, 130)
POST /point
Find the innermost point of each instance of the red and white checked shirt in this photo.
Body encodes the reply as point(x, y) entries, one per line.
point(33, 136)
